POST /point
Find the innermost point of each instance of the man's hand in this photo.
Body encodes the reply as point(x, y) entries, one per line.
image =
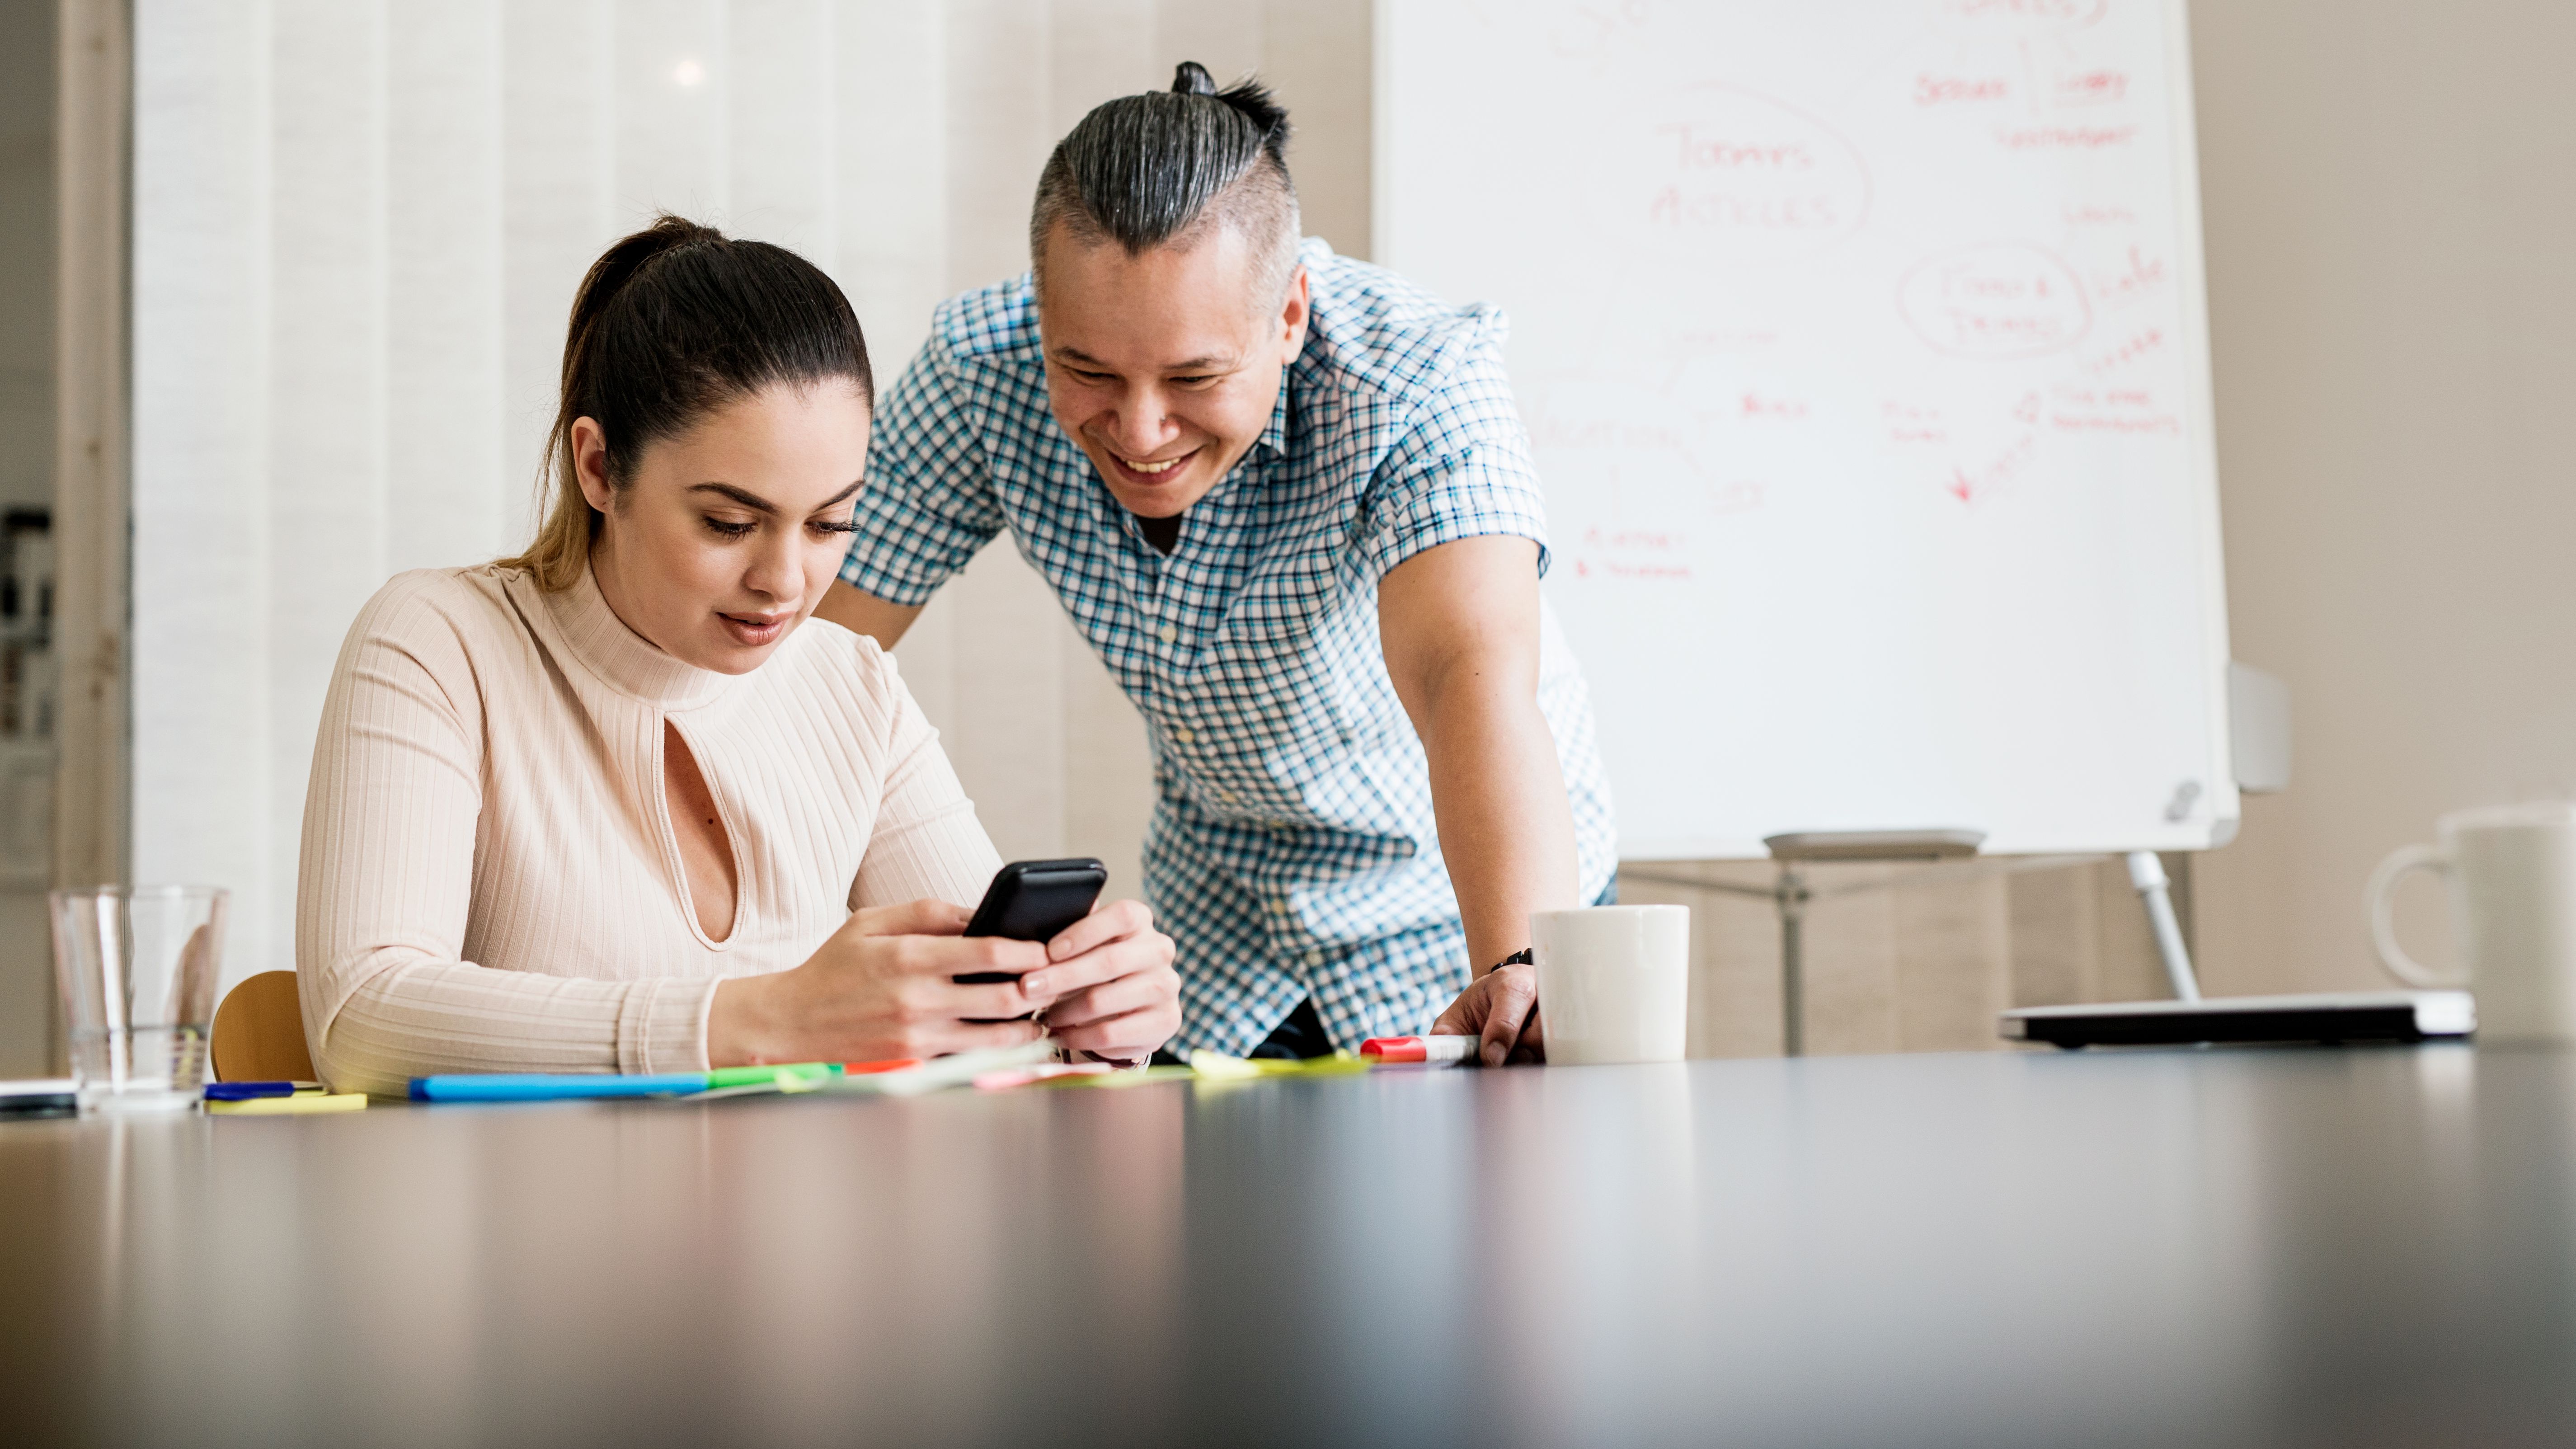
point(1502, 1007)
point(1110, 973)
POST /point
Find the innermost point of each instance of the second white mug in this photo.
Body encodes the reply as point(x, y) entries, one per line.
point(2512, 872)
point(1613, 983)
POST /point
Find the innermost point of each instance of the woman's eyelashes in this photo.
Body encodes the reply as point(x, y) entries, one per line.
point(732, 528)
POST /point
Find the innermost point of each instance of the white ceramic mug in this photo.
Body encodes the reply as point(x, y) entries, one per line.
point(1613, 983)
point(2512, 871)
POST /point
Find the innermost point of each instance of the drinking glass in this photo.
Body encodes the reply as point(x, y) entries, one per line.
point(137, 968)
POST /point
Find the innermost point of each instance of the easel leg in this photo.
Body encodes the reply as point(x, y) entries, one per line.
point(1793, 897)
point(2147, 873)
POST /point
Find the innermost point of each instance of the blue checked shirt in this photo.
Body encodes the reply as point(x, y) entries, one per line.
point(1292, 851)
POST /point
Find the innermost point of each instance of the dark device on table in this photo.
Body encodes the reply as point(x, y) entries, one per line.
point(1031, 900)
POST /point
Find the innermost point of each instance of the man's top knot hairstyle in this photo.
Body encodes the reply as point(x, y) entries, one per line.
point(1158, 169)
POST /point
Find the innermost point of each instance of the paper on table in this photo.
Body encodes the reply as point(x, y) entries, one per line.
point(938, 1073)
point(295, 1106)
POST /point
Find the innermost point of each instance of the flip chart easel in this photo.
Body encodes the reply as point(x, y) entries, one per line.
point(1863, 350)
point(1951, 856)
point(1863, 347)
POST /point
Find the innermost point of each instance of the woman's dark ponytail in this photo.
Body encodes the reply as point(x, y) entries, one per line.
point(669, 324)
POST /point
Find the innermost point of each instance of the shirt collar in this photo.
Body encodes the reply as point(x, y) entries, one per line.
point(1275, 437)
point(622, 659)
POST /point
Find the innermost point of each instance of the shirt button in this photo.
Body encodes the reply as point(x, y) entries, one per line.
point(1314, 958)
point(1184, 734)
point(1279, 905)
point(1167, 633)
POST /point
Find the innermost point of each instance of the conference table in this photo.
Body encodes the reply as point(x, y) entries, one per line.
point(2190, 1247)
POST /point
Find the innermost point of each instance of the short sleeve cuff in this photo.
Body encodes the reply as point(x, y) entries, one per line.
point(662, 1025)
point(896, 586)
point(1472, 502)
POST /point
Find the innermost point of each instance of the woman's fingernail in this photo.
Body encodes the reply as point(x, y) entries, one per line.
point(1494, 1054)
point(1033, 985)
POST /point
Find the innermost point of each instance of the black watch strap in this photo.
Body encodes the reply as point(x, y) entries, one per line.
point(1520, 957)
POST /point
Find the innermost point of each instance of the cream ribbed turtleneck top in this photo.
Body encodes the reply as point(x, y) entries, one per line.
point(490, 880)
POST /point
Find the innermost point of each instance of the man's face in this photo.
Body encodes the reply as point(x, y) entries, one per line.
point(1165, 367)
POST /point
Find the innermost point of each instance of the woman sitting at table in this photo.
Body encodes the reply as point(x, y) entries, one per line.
point(618, 805)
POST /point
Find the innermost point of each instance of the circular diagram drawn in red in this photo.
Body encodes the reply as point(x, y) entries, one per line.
point(1999, 302)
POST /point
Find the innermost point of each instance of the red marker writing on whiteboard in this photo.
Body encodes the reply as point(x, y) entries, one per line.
point(1419, 1051)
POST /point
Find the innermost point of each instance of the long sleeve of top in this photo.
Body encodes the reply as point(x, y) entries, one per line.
point(490, 880)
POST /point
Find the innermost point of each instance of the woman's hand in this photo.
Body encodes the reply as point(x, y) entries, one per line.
point(1110, 975)
point(882, 988)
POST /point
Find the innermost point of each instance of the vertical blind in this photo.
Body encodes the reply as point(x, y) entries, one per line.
point(358, 228)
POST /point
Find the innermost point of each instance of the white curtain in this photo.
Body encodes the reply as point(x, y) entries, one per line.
point(358, 227)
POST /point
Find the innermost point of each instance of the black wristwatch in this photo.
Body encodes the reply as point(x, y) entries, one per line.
point(1520, 957)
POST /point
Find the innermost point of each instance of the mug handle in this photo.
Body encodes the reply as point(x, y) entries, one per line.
point(2383, 928)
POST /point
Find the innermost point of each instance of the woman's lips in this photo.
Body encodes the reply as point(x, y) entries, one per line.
point(756, 629)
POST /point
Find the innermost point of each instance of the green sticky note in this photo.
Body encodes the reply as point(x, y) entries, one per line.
point(786, 1078)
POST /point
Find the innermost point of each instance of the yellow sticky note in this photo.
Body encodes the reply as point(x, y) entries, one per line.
point(1217, 1067)
point(301, 1102)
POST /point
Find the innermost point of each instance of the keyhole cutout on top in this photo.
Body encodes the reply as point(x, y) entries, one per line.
point(706, 855)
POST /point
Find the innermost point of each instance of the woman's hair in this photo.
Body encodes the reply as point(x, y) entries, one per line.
point(1157, 168)
point(670, 324)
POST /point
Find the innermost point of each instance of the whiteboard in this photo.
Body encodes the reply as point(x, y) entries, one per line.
point(1863, 347)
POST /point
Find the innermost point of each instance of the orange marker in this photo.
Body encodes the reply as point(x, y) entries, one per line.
point(862, 1069)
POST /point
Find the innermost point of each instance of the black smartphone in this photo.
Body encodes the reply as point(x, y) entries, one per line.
point(1031, 900)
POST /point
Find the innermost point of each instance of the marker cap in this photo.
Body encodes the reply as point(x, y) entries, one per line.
point(1395, 1049)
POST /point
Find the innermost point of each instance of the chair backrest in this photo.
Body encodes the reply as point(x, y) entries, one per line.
point(259, 1032)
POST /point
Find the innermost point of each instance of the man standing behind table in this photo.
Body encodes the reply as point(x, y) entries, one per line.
point(1314, 568)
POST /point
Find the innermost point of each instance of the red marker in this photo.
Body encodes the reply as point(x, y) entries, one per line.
point(1424, 1051)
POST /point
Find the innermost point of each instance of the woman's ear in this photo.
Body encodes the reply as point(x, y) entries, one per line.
point(590, 463)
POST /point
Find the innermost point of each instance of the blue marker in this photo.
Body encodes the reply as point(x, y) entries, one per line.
point(552, 1086)
point(250, 1091)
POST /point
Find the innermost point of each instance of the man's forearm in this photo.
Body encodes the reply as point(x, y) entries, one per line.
point(866, 613)
point(1506, 828)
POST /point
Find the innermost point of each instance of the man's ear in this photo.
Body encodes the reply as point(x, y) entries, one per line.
point(1293, 316)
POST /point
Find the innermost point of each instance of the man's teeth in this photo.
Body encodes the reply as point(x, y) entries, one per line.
point(1165, 466)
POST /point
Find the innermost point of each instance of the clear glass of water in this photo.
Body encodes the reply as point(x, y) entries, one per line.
point(137, 966)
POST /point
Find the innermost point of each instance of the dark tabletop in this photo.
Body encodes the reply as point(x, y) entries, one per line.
point(2354, 1247)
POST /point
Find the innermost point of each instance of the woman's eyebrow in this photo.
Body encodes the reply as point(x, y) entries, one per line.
point(749, 499)
point(743, 496)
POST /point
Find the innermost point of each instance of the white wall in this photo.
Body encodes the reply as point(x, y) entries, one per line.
point(358, 226)
point(2388, 205)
